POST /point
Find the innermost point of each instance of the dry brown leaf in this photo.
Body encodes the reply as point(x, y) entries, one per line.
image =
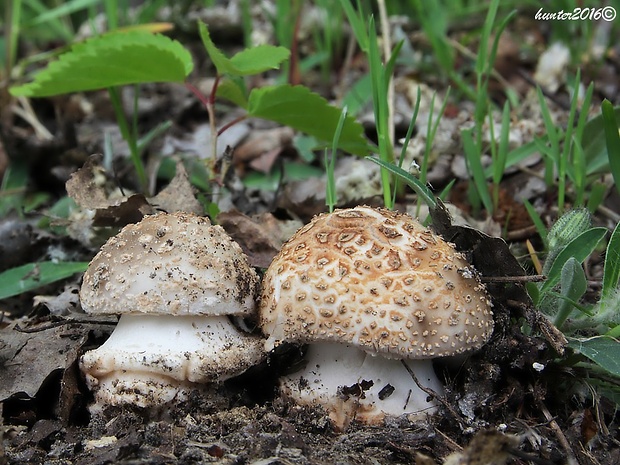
point(178, 195)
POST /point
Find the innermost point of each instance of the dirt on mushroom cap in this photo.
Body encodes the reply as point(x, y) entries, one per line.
point(172, 264)
point(376, 279)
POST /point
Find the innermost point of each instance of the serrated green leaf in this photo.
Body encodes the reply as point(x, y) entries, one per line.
point(113, 59)
point(33, 275)
point(259, 59)
point(306, 111)
point(220, 61)
point(602, 350)
point(248, 61)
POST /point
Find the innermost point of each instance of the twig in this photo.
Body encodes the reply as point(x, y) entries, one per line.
point(571, 459)
point(433, 394)
point(520, 234)
point(56, 324)
point(535, 278)
point(26, 112)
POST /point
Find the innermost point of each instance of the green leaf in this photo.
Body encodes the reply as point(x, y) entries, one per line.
point(248, 61)
point(474, 161)
point(594, 142)
point(61, 11)
point(421, 189)
point(537, 220)
point(113, 59)
point(602, 350)
point(306, 111)
point(612, 140)
point(567, 227)
point(230, 90)
point(259, 59)
point(579, 248)
point(611, 273)
point(573, 285)
point(33, 275)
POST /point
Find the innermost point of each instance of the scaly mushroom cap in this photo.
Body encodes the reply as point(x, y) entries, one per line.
point(378, 280)
point(174, 264)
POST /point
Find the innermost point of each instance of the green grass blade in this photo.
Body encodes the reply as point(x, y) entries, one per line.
point(611, 271)
point(474, 162)
point(330, 164)
point(62, 10)
point(34, 275)
point(423, 191)
point(612, 140)
point(537, 220)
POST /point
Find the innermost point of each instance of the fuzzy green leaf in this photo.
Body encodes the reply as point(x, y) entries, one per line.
point(247, 62)
point(573, 285)
point(602, 350)
point(113, 59)
point(33, 275)
point(306, 111)
point(579, 248)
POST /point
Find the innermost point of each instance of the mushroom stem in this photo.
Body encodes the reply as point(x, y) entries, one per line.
point(352, 384)
point(151, 356)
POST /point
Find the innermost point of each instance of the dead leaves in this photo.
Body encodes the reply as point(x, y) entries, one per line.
point(109, 206)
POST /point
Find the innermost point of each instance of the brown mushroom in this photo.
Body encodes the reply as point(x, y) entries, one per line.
point(367, 288)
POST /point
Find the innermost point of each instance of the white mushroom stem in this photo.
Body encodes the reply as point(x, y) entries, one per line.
point(352, 384)
point(152, 359)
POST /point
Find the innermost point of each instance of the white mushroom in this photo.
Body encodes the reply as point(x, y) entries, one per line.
point(175, 279)
point(367, 288)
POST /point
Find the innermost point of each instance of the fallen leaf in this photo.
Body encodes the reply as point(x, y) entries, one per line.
point(178, 195)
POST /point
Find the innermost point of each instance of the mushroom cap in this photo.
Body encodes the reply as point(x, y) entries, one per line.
point(377, 280)
point(174, 264)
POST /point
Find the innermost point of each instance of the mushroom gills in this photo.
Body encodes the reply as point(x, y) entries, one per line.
point(352, 384)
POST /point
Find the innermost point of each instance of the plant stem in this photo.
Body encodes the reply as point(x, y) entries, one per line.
point(231, 123)
point(123, 124)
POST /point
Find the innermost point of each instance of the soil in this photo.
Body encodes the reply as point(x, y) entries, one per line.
point(518, 400)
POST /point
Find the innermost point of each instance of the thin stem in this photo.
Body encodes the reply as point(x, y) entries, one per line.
point(209, 103)
point(387, 51)
point(231, 123)
point(123, 125)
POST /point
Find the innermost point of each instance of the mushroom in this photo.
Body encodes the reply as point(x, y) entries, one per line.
point(375, 294)
point(175, 279)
